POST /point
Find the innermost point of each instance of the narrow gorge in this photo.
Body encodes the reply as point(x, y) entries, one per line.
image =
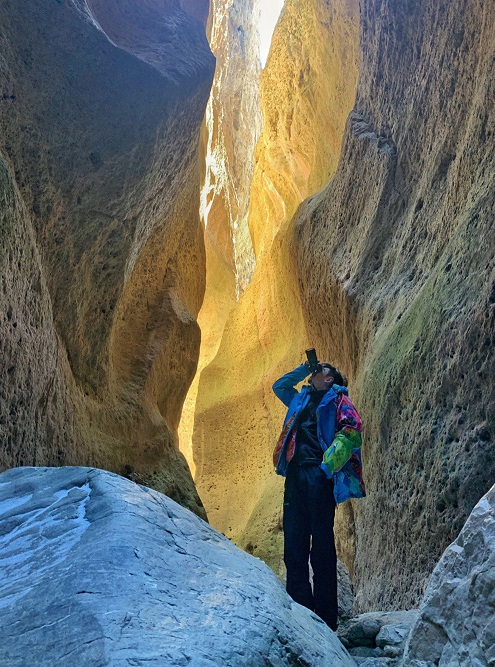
point(371, 212)
point(179, 222)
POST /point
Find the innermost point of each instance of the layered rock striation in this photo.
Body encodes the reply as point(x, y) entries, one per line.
point(399, 249)
point(101, 106)
point(97, 570)
point(307, 90)
point(233, 125)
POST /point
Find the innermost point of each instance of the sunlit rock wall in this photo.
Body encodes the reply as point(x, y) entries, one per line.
point(233, 124)
point(402, 249)
point(307, 90)
point(101, 104)
point(232, 127)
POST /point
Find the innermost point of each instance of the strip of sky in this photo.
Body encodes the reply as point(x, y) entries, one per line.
point(270, 11)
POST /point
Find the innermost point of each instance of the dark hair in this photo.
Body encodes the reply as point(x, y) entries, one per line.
point(339, 377)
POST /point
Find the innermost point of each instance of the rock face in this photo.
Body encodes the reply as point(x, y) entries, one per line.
point(101, 106)
point(237, 416)
point(233, 125)
point(456, 624)
point(98, 571)
point(400, 249)
point(232, 128)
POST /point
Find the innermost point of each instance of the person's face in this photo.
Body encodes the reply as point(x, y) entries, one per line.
point(323, 380)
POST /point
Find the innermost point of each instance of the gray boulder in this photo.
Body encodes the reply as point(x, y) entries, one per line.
point(456, 624)
point(97, 571)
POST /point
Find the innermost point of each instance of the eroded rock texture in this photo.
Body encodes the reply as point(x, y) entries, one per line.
point(456, 624)
point(232, 128)
point(399, 251)
point(307, 90)
point(98, 571)
point(101, 105)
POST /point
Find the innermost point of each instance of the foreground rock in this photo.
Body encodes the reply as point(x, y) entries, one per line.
point(98, 571)
point(456, 625)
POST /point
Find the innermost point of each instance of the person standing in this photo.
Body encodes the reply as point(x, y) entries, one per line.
point(318, 453)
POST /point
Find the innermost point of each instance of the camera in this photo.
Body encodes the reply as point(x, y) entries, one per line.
point(314, 364)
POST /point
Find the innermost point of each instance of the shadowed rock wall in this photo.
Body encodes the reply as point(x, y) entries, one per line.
point(101, 105)
point(237, 416)
point(401, 245)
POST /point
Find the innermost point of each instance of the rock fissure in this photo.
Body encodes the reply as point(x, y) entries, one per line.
point(363, 129)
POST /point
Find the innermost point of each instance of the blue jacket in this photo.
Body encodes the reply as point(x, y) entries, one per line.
point(348, 481)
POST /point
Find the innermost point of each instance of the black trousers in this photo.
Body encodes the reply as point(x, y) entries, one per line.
point(309, 512)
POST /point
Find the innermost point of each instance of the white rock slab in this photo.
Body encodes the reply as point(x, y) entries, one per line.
point(97, 571)
point(456, 625)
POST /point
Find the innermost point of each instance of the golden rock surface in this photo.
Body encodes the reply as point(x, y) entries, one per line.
point(101, 104)
point(237, 416)
point(231, 130)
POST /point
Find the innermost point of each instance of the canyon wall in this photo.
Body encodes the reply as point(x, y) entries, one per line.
point(232, 127)
point(101, 107)
point(399, 250)
point(307, 90)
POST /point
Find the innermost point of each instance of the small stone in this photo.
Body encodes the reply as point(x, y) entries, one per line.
point(360, 631)
point(392, 635)
point(375, 662)
point(393, 651)
point(364, 629)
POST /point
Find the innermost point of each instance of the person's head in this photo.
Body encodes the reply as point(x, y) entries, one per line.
point(327, 377)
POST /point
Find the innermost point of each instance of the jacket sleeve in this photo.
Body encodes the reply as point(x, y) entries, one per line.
point(284, 388)
point(347, 437)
